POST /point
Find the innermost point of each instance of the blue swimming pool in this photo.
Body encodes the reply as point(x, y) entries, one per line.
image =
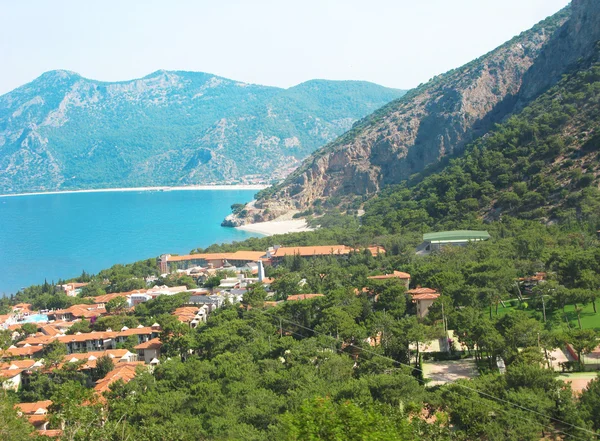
point(35, 318)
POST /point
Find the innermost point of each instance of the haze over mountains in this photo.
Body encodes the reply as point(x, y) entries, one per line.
point(63, 131)
point(443, 117)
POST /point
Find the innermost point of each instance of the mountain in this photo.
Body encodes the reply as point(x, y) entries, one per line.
point(63, 131)
point(438, 120)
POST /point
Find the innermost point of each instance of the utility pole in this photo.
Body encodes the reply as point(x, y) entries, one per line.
point(544, 307)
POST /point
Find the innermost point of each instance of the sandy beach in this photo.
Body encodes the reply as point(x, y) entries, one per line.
point(277, 227)
point(104, 190)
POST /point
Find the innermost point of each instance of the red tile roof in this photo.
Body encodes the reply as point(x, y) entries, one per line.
point(32, 408)
point(155, 343)
point(21, 352)
point(394, 275)
point(250, 256)
point(50, 433)
point(303, 296)
point(123, 371)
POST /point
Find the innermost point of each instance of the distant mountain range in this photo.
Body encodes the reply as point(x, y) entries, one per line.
point(63, 131)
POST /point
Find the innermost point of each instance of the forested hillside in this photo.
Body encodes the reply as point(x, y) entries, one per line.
point(63, 131)
point(443, 117)
point(543, 163)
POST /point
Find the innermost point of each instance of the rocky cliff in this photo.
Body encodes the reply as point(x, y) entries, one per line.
point(63, 131)
point(437, 119)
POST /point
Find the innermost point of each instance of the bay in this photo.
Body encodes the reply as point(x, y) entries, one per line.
point(53, 236)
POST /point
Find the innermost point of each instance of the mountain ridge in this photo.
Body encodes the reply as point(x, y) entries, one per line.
point(436, 120)
point(63, 131)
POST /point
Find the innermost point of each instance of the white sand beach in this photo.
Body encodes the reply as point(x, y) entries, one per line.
point(186, 187)
point(277, 227)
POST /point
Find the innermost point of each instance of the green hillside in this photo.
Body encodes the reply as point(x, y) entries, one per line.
point(541, 164)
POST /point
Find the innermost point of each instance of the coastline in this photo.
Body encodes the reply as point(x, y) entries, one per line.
point(277, 227)
point(162, 188)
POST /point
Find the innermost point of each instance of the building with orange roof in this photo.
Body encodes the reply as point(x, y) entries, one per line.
point(90, 358)
point(424, 298)
point(277, 253)
point(95, 340)
point(149, 351)
point(52, 433)
point(123, 371)
point(83, 311)
point(104, 299)
point(22, 307)
point(72, 289)
point(192, 315)
point(11, 373)
point(297, 297)
point(208, 260)
point(36, 413)
point(22, 352)
point(404, 277)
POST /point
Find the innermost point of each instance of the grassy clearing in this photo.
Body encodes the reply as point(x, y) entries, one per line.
point(589, 319)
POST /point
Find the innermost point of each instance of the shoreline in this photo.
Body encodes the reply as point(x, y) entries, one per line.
point(162, 188)
point(271, 228)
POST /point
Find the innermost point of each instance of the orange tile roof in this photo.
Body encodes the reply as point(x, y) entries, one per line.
point(20, 364)
point(37, 420)
point(82, 310)
point(21, 352)
point(323, 250)
point(320, 250)
point(22, 306)
point(94, 335)
point(115, 354)
point(250, 256)
point(108, 297)
point(32, 408)
point(186, 314)
point(136, 331)
point(50, 330)
point(35, 340)
point(123, 371)
point(423, 293)
point(303, 296)
point(155, 343)
point(50, 433)
point(425, 296)
point(268, 280)
point(394, 275)
point(420, 290)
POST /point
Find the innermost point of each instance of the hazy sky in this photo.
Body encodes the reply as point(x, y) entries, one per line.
point(397, 43)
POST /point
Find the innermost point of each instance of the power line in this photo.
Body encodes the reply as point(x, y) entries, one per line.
point(556, 420)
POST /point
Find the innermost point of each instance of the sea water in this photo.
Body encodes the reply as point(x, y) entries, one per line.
point(54, 236)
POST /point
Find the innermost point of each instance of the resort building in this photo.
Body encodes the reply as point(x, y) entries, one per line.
point(399, 275)
point(149, 352)
point(170, 263)
point(437, 241)
point(83, 311)
point(424, 298)
point(36, 413)
point(276, 254)
point(72, 289)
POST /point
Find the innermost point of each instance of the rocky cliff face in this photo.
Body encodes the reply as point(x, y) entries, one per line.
point(63, 131)
point(437, 119)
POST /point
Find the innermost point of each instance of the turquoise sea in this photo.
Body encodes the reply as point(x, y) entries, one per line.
point(52, 236)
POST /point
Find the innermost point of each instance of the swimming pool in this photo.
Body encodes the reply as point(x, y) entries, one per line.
point(35, 318)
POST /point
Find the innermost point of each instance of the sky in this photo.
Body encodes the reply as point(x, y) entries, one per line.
point(395, 43)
